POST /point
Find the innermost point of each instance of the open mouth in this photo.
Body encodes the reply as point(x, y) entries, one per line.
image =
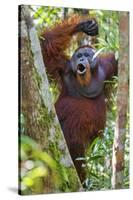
point(81, 69)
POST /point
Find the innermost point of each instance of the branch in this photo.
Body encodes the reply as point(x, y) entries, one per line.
point(122, 104)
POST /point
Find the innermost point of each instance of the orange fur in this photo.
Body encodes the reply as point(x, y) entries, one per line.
point(82, 119)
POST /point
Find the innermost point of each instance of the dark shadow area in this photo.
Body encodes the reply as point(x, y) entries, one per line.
point(13, 189)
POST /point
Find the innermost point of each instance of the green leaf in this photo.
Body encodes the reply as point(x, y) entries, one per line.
point(93, 174)
point(38, 172)
point(95, 157)
point(92, 145)
point(38, 13)
point(27, 181)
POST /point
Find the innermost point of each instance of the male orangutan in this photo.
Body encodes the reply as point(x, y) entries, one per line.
point(81, 105)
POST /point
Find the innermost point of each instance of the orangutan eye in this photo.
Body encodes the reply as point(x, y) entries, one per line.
point(79, 55)
point(86, 54)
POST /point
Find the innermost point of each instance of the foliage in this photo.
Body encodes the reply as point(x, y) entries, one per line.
point(39, 171)
point(99, 158)
point(54, 90)
point(45, 16)
point(36, 166)
point(108, 29)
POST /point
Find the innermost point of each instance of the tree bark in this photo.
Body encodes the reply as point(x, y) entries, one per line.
point(122, 104)
point(41, 122)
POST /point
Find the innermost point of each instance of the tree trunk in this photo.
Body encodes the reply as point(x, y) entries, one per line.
point(122, 104)
point(41, 122)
